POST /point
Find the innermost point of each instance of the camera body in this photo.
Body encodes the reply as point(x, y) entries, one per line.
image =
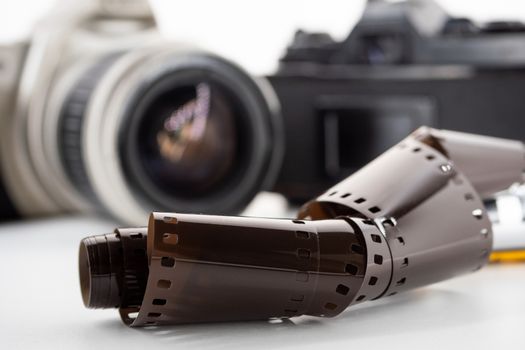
point(405, 64)
point(36, 78)
point(99, 112)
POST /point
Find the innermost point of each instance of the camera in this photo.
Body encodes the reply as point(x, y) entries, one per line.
point(98, 112)
point(403, 65)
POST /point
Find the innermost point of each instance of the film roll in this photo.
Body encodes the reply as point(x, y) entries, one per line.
point(408, 219)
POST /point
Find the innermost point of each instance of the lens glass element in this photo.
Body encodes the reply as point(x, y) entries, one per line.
point(187, 138)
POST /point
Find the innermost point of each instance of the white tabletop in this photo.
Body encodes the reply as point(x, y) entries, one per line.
point(41, 307)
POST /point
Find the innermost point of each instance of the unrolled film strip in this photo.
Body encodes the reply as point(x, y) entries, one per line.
point(408, 219)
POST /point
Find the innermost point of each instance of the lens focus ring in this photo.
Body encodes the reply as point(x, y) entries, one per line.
point(71, 125)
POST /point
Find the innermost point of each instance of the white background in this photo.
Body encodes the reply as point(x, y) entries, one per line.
point(253, 33)
point(40, 304)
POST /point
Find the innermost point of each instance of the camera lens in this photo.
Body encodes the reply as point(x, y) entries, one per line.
point(157, 128)
point(185, 140)
point(129, 123)
point(198, 138)
point(170, 129)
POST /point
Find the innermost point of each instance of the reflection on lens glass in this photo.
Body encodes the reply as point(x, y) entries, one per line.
point(188, 138)
point(184, 126)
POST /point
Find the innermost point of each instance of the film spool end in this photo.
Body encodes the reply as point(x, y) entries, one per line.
point(97, 271)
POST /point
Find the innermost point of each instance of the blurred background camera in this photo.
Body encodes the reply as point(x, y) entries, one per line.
point(99, 112)
point(404, 64)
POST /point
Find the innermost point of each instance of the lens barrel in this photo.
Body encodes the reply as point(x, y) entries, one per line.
point(71, 125)
point(168, 129)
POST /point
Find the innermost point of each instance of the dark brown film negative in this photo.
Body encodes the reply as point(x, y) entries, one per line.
point(409, 218)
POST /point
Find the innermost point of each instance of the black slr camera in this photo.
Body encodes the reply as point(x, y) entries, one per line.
point(403, 65)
